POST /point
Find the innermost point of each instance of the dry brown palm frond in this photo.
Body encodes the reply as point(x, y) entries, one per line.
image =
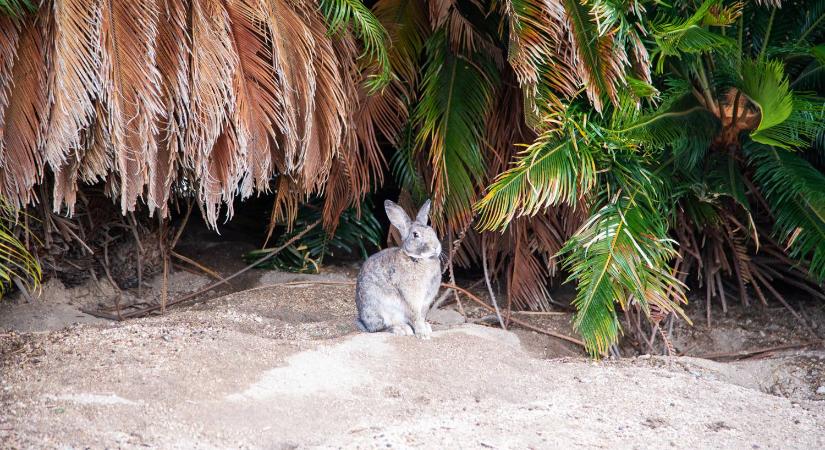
point(338, 195)
point(173, 64)
point(527, 277)
point(439, 11)
point(258, 111)
point(130, 82)
point(74, 75)
point(209, 144)
point(354, 167)
point(538, 37)
point(285, 206)
point(565, 36)
point(293, 54)
point(220, 95)
point(26, 104)
point(328, 121)
point(9, 36)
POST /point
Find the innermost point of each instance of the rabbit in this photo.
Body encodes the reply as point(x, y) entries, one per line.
point(397, 285)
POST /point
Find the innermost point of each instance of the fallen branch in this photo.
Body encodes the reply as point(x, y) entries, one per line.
point(481, 302)
point(212, 273)
point(744, 354)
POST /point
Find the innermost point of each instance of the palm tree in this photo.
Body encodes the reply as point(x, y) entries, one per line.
point(727, 159)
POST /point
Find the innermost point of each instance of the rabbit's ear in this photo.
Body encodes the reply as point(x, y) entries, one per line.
point(398, 217)
point(423, 213)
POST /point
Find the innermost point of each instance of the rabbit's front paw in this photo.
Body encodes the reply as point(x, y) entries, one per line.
point(401, 330)
point(423, 330)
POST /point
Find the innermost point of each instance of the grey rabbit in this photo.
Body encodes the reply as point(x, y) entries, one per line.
point(397, 285)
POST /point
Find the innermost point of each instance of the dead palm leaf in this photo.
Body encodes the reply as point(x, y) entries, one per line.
point(26, 103)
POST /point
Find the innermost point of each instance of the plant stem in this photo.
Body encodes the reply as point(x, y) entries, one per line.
point(767, 36)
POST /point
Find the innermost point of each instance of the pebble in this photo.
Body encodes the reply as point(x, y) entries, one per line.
point(820, 390)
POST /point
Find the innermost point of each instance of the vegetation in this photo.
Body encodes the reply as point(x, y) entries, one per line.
point(637, 146)
point(358, 234)
point(17, 264)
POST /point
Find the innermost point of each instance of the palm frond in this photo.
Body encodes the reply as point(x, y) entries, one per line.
point(795, 191)
point(787, 120)
point(536, 45)
point(678, 36)
point(342, 14)
point(559, 167)
point(600, 60)
point(212, 105)
point(450, 119)
point(173, 58)
point(22, 133)
point(16, 8)
point(259, 115)
point(74, 77)
point(620, 255)
point(16, 262)
point(679, 124)
point(130, 91)
point(528, 275)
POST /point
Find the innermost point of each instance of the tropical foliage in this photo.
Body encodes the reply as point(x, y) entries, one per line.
point(17, 264)
point(638, 146)
point(358, 234)
point(725, 159)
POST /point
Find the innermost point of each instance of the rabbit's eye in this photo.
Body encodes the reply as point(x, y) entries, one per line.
point(415, 235)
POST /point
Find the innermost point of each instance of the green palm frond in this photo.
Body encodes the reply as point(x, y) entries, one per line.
point(678, 36)
point(681, 125)
point(795, 191)
point(16, 262)
point(788, 120)
point(17, 7)
point(620, 255)
point(557, 168)
point(601, 71)
point(811, 23)
point(341, 14)
point(404, 167)
point(764, 82)
point(450, 118)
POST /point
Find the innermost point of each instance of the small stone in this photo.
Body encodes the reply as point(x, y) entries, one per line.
point(820, 390)
point(445, 317)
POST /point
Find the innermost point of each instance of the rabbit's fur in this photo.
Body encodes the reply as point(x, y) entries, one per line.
point(396, 286)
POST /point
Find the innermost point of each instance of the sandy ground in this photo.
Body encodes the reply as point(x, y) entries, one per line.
point(283, 367)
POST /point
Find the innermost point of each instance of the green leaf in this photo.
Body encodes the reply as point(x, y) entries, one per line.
point(557, 168)
point(341, 14)
point(795, 191)
point(16, 8)
point(450, 118)
point(621, 255)
point(765, 84)
point(15, 259)
point(678, 36)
